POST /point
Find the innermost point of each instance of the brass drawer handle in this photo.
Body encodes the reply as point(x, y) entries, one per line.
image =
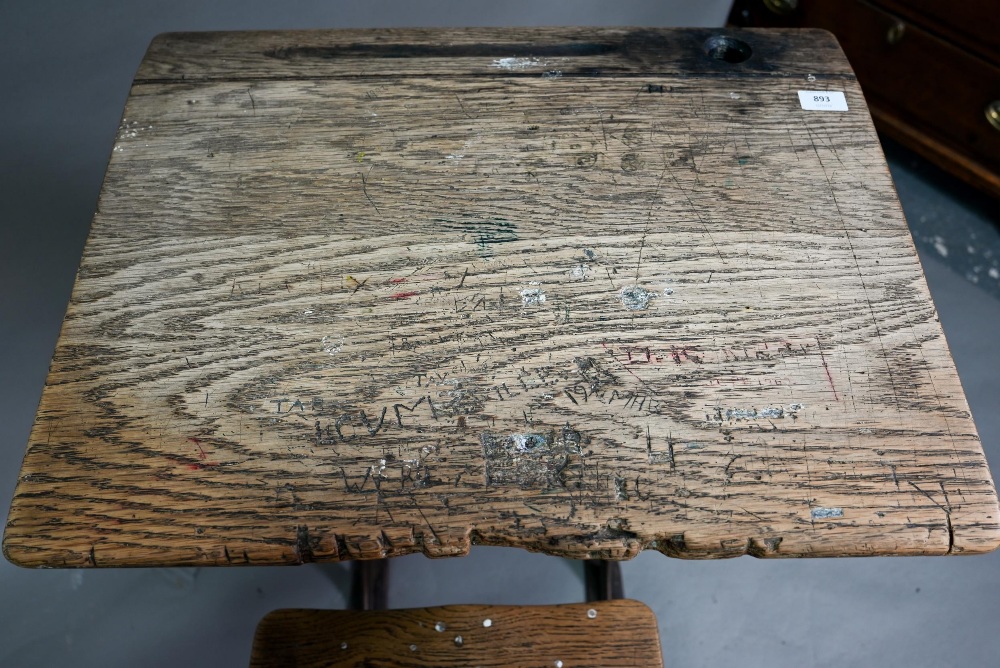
point(993, 114)
point(781, 7)
point(895, 33)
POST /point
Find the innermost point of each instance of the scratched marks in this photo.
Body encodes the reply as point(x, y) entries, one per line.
point(826, 370)
point(533, 460)
point(483, 232)
point(709, 417)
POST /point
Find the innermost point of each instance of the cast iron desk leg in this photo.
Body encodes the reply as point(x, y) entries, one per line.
point(603, 580)
point(369, 584)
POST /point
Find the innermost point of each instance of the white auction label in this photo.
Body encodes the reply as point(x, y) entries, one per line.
point(822, 100)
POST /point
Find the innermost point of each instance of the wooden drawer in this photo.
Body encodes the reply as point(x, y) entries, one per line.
point(972, 25)
point(923, 89)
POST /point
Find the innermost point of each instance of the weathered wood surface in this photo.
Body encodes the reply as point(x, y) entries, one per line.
point(374, 305)
point(478, 52)
point(608, 633)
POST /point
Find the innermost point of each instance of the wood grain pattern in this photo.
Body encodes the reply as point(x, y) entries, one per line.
point(354, 315)
point(606, 634)
point(478, 53)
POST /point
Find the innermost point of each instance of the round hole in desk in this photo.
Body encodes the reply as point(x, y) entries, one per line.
point(729, 49)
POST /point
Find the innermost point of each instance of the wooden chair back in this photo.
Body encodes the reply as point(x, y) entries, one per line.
point(606, 633)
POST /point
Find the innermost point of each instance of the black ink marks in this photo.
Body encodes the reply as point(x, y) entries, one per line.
point(483, 232)
point(654, 88)
point(534, 460)
point(587, 160)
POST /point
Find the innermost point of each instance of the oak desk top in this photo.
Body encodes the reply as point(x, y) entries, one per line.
point(586, 291)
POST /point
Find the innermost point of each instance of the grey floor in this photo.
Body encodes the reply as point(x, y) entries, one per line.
point(65, 70)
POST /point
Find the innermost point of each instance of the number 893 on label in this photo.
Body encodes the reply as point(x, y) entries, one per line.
point(822, 100)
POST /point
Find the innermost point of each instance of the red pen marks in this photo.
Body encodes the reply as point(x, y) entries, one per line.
point(615, 358)
point(403, 295)
point(198, 467)
point(397, 281)
point(640, 353)
point(197, 441)
point(829, 376)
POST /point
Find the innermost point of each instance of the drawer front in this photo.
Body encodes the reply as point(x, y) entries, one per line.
point(974, 25)
point(925, 80)
point(905, 71)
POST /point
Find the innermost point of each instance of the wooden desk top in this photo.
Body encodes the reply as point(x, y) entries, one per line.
point(354, 294)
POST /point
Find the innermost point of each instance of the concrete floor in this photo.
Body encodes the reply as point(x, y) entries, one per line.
point(66, 69)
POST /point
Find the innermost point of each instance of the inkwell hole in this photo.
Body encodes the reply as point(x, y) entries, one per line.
point(728, 49)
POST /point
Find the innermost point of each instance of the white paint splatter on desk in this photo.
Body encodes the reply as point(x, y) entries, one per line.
point(634, 297)
point(532, 296)
point(825, 513)
point(516, 63)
